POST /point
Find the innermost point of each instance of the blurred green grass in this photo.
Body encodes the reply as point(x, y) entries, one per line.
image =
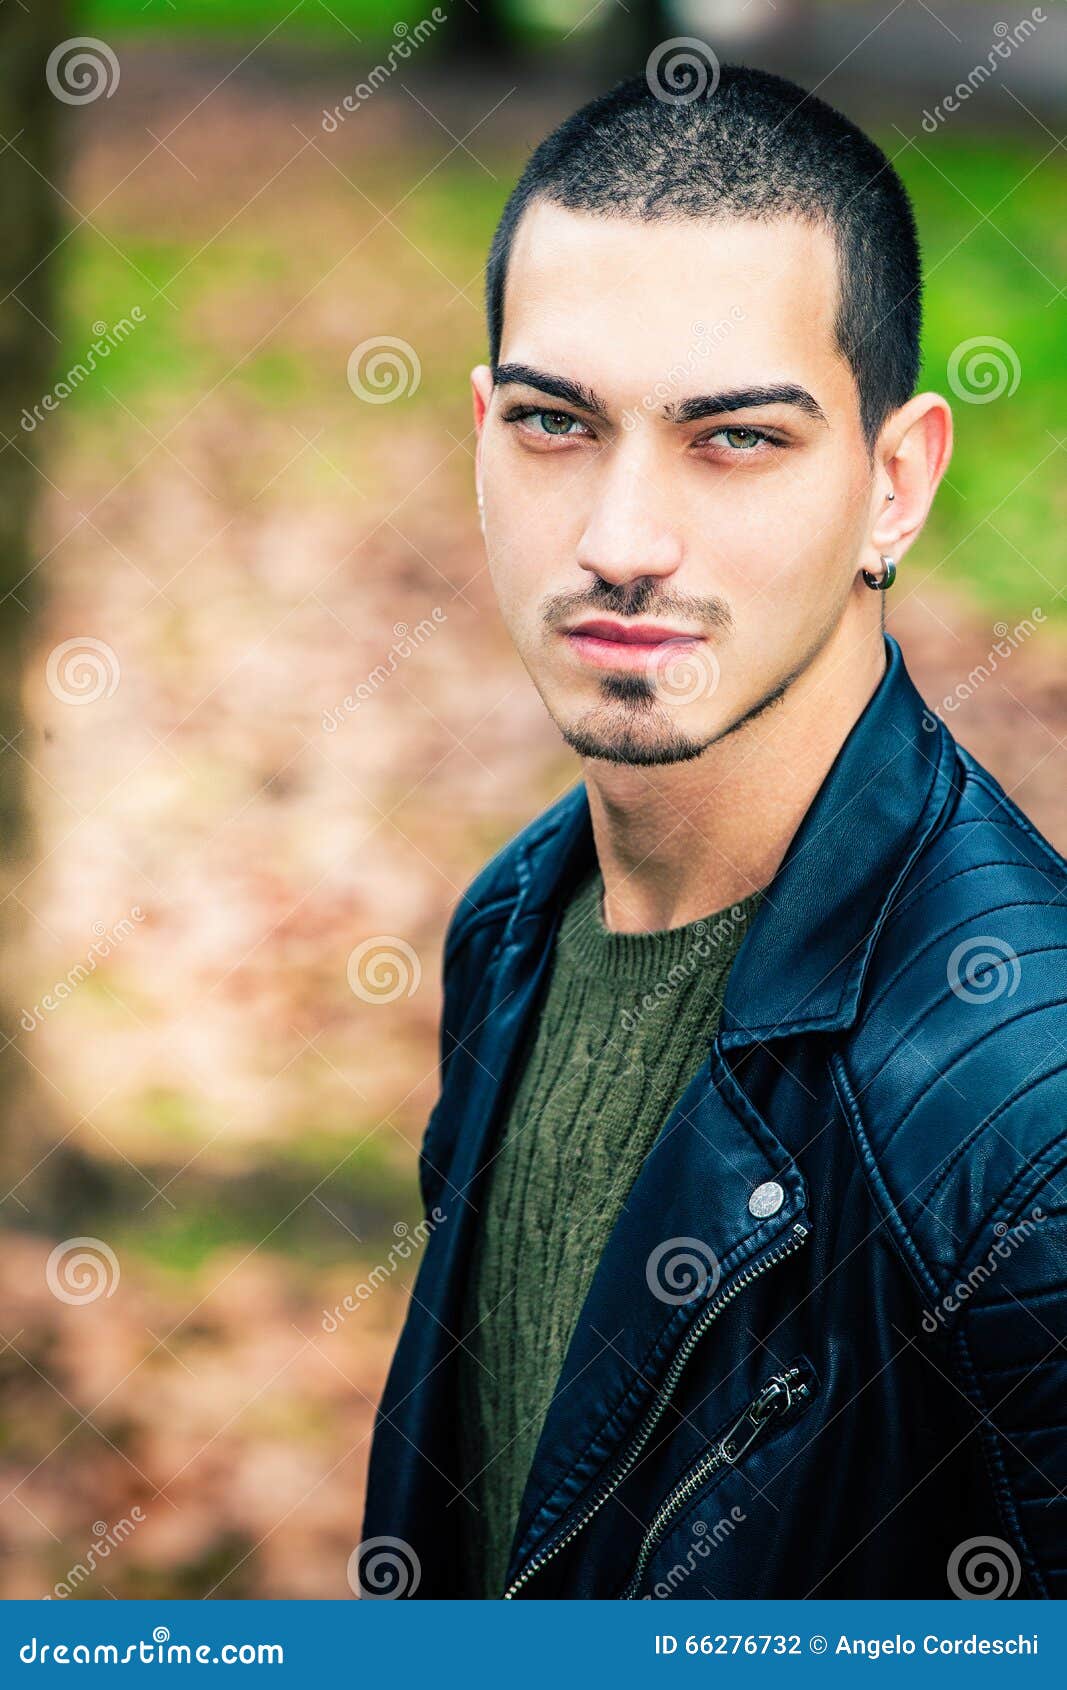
point(993, 244)
point(368, 19)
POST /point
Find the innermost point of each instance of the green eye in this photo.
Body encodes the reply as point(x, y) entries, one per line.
point(560, 417)
point(560, 425)
point(743, 438)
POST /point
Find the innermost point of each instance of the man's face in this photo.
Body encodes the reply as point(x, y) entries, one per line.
point(737, 531)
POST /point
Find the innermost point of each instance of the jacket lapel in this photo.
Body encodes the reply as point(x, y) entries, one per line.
point(804, 960)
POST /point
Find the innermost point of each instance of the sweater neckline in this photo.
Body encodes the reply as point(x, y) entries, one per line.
point(589, 946)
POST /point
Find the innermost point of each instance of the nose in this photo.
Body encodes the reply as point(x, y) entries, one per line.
point(628, 533)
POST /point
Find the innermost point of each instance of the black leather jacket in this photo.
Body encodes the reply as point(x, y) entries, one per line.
point(824, 1352)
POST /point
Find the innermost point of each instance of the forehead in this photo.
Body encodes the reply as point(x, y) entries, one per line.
point(634, 295)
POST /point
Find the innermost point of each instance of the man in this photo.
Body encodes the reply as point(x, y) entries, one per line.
point(749, 1167)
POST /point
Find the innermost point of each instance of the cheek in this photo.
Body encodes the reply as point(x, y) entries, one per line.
point(517, 561)
point(790, 538)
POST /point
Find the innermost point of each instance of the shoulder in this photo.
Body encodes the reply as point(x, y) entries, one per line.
point(955, 1074)
point(476, 928)
point(487, 902)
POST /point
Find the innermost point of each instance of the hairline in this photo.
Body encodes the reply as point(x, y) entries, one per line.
point(543, 196)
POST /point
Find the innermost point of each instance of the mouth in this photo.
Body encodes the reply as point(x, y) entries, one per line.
point(627, 645)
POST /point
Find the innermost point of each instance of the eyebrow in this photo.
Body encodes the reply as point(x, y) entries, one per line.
point(687, 410)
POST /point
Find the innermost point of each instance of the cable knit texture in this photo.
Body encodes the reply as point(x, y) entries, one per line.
point(626, 1020)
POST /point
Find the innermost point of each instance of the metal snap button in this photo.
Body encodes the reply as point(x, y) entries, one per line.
point(766, 1200)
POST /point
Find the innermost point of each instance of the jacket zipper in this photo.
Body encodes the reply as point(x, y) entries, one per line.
point(782, 1392)
point(793, 1242)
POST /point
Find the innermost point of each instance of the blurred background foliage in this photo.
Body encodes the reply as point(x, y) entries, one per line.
point(213, 1100)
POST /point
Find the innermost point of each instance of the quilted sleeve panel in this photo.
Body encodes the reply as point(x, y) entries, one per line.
point(1011, 1341)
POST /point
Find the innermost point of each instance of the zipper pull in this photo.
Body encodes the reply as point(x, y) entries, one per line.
point(775, 1398)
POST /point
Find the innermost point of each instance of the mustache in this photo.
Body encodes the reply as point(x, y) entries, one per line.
point(640, 598)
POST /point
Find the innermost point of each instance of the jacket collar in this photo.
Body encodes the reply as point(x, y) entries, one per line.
point(803, 961)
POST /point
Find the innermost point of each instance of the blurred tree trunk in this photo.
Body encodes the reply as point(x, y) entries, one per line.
point(477, 33)
point(651, 21)
point(28, 208)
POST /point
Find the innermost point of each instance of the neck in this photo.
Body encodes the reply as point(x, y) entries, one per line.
point(688, 839)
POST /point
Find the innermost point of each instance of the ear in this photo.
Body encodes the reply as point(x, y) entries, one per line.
point(481, 396)
point(481, 393)
point(914, 452)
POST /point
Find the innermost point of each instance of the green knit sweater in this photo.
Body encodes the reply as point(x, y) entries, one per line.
point(626, 1020)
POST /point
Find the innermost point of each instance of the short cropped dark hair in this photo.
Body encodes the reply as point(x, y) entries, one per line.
point(749, 145)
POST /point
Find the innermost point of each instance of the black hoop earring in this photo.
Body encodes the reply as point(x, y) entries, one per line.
point(882, 583)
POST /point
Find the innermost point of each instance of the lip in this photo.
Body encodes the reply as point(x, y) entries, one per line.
point(626, 645)
point(630, 633)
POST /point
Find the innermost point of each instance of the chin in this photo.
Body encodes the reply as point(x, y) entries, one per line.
point(648, 747)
